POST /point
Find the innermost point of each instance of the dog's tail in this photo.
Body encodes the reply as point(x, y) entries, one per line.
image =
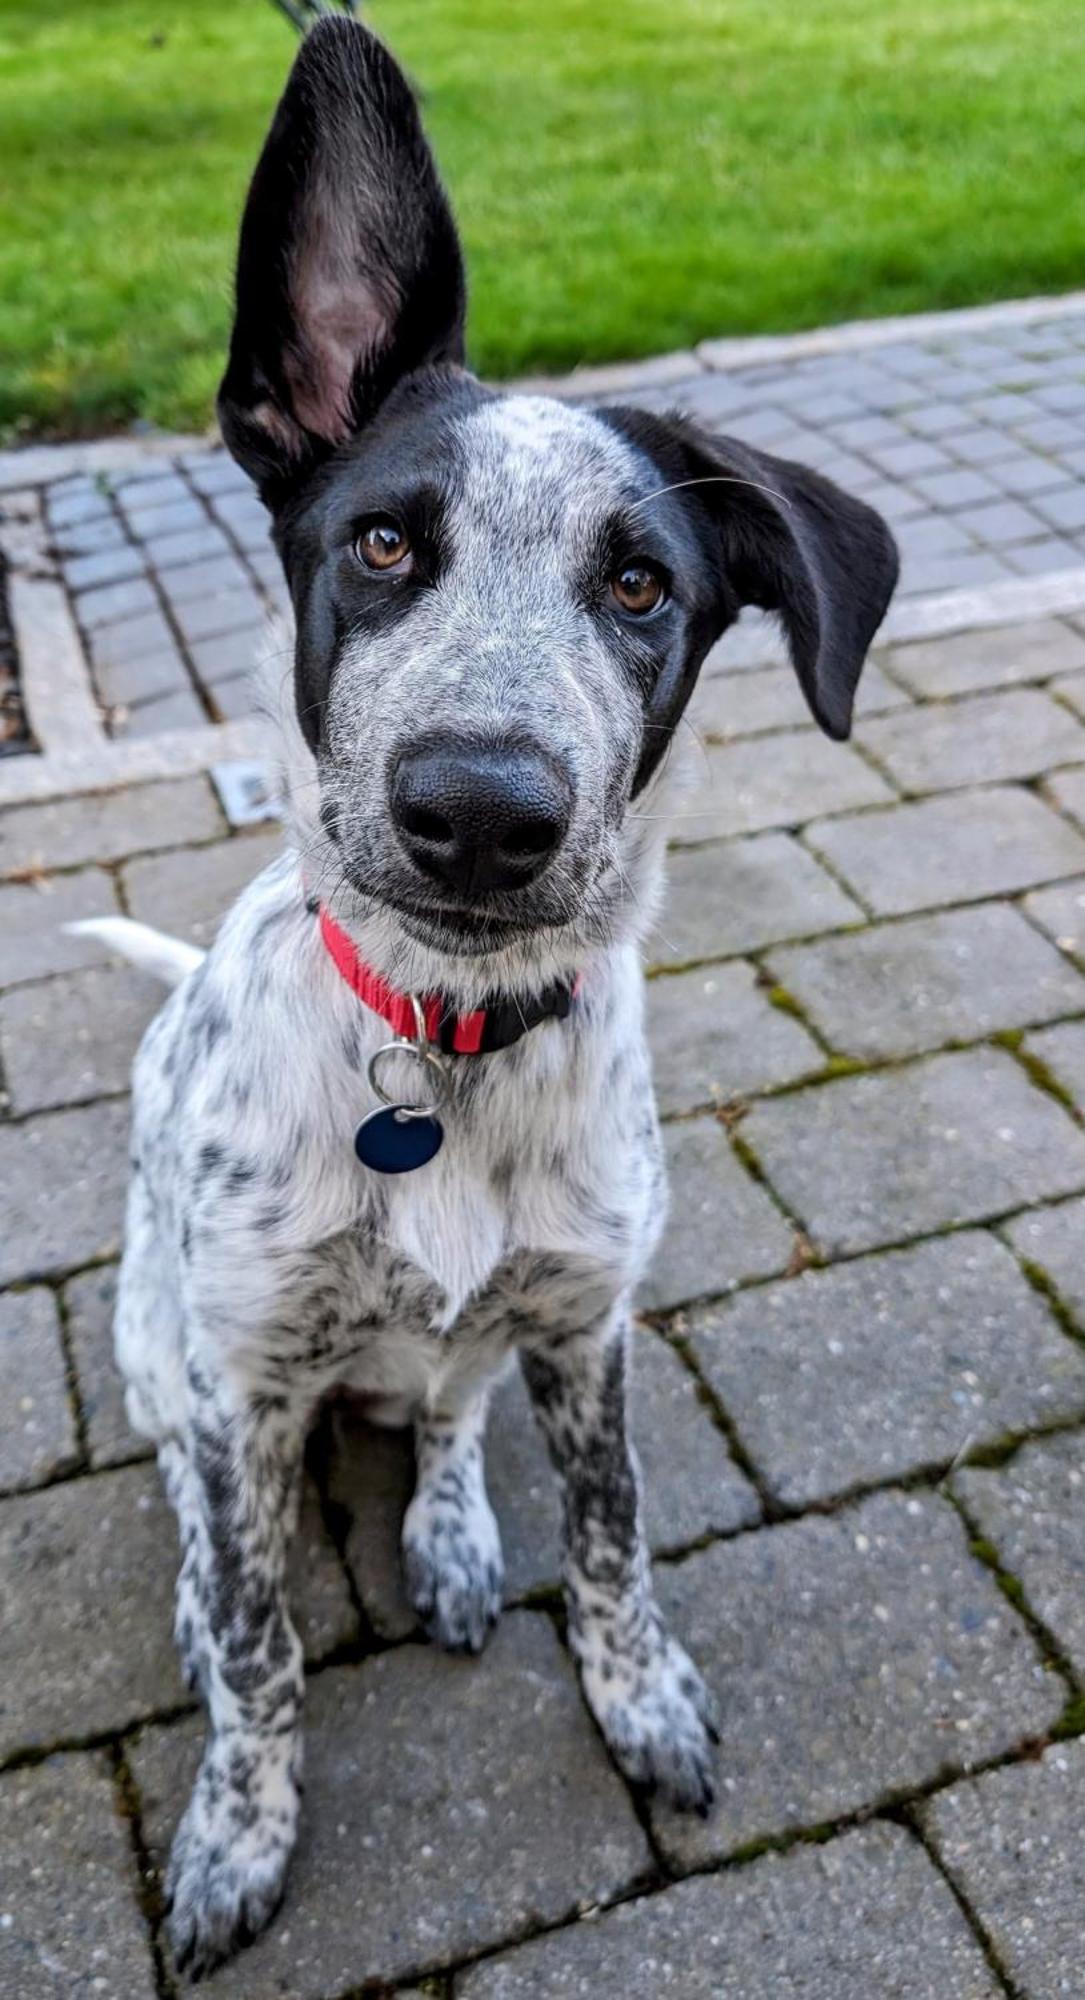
point(166, 958)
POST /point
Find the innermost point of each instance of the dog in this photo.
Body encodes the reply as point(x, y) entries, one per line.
point(397, 1125)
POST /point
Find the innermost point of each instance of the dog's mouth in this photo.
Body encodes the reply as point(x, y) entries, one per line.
point(471, 930)
point(458, 929)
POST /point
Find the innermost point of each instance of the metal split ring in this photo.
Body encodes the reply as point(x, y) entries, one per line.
point(421, 1051)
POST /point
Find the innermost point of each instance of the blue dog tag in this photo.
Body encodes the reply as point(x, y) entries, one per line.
point(392, 1143)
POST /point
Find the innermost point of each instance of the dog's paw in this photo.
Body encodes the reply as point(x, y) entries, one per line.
point(659, 1723)
point(226, 1874)
point(453, 1572)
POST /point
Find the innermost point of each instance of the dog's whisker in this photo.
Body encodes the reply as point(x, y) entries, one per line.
point(710, 479)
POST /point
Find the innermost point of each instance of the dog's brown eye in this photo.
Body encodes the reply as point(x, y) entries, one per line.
point(637, 588)
point(383, 545)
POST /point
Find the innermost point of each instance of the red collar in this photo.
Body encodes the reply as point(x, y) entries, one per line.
point(497, 1025)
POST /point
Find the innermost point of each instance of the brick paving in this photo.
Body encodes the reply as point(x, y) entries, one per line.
point(860, 1393)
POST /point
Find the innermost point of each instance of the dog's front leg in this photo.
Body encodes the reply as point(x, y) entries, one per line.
point(645, 1693)
point(451, 1547)
point(239, 1470)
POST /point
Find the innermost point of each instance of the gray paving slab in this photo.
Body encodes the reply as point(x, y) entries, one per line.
point(190, 901)
point(222, 572)
point(982, 445)
point(1026, 473)
point(934, 668)
point(145, 677)
point(1015, 1842)
point(955, 849)
point(206, 615)
point(130, 640)
point(163, 517)
point(1063, 507)
point(70, 1924)
point(1002, 523)
point(88, 1307)
point(62, 1179)
point(87, 1570)
point(70, 503)
point(1054, 1240)
point(1060, 911)
point(185, 545)
point(854, 1656)
point(112, 564)
point(722, 1227)
point(1033, 1511)
point(865, 1917)
point(755, 640)
point(982, 740)
point(867, 1160)
point(1038, 558)
point(155, 484)
point(764, 782)
point(429, 1833)
point(86, 1643)
point(934, 535)
point(234, 697)
point(179, 709)
point(1067, 789)
point(877, 1368)
point(109, 603)
point(107, 826)
point(743, 704)
point(904, 987)
point(83, 538)
point(1071, 690)
point(957, 486)
point(372, 1479)
point(247, 520)
point(969, 570)
point(218, 475)
point(714, 1035)
point(1062, 1051)
point(223, 659)
point(37, 1427)
point(33, 940)
point(73, 1038)
point(741, 895)
point(907, 460)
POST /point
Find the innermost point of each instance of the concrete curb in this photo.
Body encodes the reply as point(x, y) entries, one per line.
point(40, 464)
point(108, 767)
point(854, 336)
point(60, 707)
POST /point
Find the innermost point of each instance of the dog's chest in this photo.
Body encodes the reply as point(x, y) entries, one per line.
point(442, 1271)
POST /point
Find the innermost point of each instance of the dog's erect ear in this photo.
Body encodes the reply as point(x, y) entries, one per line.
point(349, 272)
point(790, 542)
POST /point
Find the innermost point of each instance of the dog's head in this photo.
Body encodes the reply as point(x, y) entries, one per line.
point(502, 602)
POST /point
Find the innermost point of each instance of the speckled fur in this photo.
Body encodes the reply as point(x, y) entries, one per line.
point(263, 1267)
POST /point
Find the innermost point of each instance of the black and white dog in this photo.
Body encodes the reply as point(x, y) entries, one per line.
point(502, 604)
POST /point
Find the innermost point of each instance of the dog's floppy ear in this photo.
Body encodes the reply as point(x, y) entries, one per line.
point(793, 543)
point(796, 544)
point(349, 273)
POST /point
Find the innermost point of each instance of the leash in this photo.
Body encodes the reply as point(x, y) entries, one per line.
point(400, 1137)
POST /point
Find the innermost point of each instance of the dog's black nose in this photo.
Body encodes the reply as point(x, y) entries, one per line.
point(480, 819)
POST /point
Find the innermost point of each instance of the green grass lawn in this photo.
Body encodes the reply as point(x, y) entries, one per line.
point(631, 174)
